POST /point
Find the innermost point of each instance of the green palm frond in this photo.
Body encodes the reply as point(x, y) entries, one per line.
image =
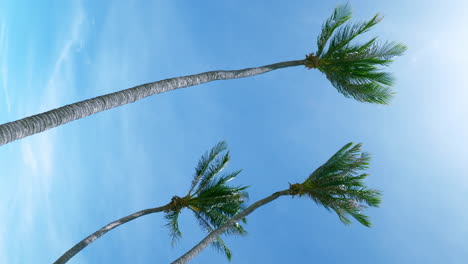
point(215, 167)
point(218, 243)
point(218, 181)
point(218, 202)
point(217, 218)
point(362, 89)
point(340, 15)
point(338, 185)
point(355, 69)
point(172, 218)
point(347, 33)
point(222, 247)
point(205, 161)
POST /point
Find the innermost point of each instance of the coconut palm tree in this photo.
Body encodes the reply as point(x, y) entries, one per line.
point(336, 185)
point(353, 69)
point(212, 201)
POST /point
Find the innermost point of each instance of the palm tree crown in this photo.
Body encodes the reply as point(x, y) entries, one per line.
point(354, 69)
point(337, 185)
point(212, 201)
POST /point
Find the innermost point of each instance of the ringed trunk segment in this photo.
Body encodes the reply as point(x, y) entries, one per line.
point(41, 122)
point(212, 236)
point(91, 238)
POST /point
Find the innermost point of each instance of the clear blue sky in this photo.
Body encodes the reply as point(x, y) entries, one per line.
point(59, 186)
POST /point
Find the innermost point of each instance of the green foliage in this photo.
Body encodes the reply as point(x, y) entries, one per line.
point(205, 162)
point(355, 69)
point(172, 218)
point(340, 15)
point(218, 244)
point(210, 198)
point(338, 185)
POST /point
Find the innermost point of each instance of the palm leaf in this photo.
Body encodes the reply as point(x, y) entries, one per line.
point(364, 90)
point(222, 247)
point(218, 243)
point(347, 33)
point(340, 15)
point(218, 181)
point(219, 202)
point(214, 168)
point(204, 162)
point(172, 218)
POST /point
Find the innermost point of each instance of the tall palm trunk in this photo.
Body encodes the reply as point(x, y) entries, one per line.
point(38, 123)
point(216, 233)
point(90, 239)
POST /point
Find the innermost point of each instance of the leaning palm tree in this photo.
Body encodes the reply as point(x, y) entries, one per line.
point(336, 185)
point(212, 201)
point(353, 69)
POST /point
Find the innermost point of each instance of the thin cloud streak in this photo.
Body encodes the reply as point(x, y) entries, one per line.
point(35, 179)
point(4, 63)
point(57, 76)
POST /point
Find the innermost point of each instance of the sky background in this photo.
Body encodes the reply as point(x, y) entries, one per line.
point(61, 185)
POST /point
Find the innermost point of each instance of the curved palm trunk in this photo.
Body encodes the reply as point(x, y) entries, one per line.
point(90, 239)
point(38, 123)
point(216, 233)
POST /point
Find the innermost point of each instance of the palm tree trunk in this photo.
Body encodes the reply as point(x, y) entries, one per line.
point(90, 239)
point(38, 123)
point(216, 233)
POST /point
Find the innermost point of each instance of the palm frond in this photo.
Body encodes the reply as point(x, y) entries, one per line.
point(218, 243)
point(384, 51)
point(219, 202)
point(214, 169)
point(340, 15)
point(218, 181)
point(338, 185)
point(204, 162)
point(347, 33)
point(362, 89)
point(217, 218)
point(172, 218)
point(339, 162)
point(222, 247)
point(223, 199)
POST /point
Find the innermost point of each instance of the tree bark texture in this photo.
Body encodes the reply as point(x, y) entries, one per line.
point(216, 233)
point(91, 238)
point(38, 123)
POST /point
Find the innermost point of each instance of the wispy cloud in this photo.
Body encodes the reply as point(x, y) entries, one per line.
point(38, 152)
point(61, 77)
point(4, 83)
point(35, 179)
point(4, 63)
point(61, 74)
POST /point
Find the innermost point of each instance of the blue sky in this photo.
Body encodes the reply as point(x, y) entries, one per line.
point(59, 186)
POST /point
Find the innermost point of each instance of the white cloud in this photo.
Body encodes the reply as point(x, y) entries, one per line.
point(61, 75)
point(38, 151)
point(34, 181)
point(4, 63)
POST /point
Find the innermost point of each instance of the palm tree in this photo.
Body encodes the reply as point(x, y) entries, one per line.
point(353, 69)
point(336, 185)
point(212, 201)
